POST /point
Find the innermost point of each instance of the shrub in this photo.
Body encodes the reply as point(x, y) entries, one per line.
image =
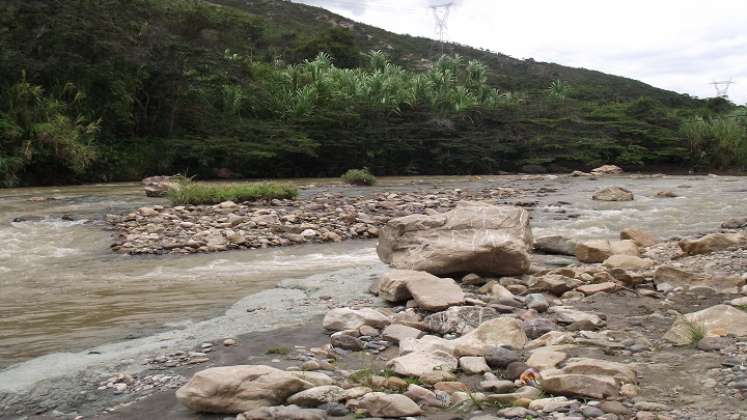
point(197, 193)
point(359, 177)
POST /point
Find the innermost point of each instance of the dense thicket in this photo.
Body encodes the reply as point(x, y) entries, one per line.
point(98, 90)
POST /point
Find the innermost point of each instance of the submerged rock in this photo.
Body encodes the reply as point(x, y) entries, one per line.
point(474, 237)
point(613, 194)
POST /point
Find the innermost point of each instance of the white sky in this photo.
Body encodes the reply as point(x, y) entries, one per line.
point(680, 45)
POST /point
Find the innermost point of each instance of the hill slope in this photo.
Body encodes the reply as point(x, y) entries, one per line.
point(95, 90)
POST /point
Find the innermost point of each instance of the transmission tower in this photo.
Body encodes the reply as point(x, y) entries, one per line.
point(722, 88)
point(441, 16)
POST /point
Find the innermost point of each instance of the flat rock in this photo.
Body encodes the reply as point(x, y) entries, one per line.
point(553, 283)
point(421, 363)
point(628, 262)
point(340, 319)
point(590, 289)
point(291, 412)
point(713, 242)
point(598, 250)
point(586, 366)
point(314, 397)
point(491, 333)
point(473, 364)
point(717, 321)
point(577, 385)
point(235, 389)
point(397, 332)
point(570, 315)
point(379, 404)
point(473, 237)
point(545, 358)
point(433, 293)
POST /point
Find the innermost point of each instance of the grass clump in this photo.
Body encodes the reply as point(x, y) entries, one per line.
point(359, 177)
point(279, 350)
point(198, 193)
point(696, 332)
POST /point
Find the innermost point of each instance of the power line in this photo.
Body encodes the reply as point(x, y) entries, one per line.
point(441, 16)
point(722, 88)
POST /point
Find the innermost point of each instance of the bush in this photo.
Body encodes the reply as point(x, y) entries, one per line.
point(197, 193)
point(359, 177)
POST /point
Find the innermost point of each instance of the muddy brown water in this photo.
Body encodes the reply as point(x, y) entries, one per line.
point(61, 289)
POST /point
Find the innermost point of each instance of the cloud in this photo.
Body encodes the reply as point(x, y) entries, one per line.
point(680, 45)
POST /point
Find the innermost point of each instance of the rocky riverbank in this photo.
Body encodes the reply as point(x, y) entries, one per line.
point(638, 328)
point(325, 217)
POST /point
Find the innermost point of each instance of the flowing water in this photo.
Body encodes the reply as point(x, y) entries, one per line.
point(61, 289)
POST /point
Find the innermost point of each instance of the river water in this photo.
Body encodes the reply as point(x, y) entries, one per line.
point(61, 289)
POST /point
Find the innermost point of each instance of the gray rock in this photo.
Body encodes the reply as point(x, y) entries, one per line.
point(500, 357)
point(537, 301)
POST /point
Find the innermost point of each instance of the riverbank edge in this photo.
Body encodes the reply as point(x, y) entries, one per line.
point(57, 380)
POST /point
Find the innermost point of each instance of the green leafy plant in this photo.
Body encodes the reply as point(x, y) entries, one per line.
point(359, 177)
point(196, 193)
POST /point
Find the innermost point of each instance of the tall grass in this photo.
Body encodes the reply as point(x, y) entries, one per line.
point(359, 177)
point(720, 142)
point(195, 193)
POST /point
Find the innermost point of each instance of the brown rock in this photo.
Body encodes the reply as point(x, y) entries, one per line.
point(641, 238)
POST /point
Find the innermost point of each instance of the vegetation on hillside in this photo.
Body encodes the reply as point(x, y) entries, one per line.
point(102, 90)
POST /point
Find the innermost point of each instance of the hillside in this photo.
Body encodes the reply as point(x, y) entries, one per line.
point(102, 90)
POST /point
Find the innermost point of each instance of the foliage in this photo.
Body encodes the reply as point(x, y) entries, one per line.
point(719, 142)
point(558, 89)
point(359, 177)
point(199, 193)
point(103, 90)
point(695, 331)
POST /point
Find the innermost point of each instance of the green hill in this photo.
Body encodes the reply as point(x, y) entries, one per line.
point(100, 90)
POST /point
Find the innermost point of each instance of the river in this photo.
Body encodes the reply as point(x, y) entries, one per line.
point(61, 289)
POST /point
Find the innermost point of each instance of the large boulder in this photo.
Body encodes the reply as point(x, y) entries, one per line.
point(492, 333)
point(713, 242)
point(158, 186)
point(379, 404)
point(607, 170)
point(716, 321)
point(341, 319)
point(393, 285)
point(473, 237)
point(598, 250)
point(235, 389)
point(613, 194)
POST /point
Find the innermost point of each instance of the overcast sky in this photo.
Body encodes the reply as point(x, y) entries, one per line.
point(681, 45)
